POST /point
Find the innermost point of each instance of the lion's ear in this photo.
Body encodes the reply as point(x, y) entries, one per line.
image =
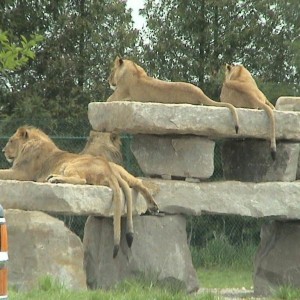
point(113, 136)
point(228, 67)
point(22, 131)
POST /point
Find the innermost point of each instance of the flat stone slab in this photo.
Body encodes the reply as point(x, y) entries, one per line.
point(288, 103)
point(215, 122)
point(277, 199)
point(64, 199)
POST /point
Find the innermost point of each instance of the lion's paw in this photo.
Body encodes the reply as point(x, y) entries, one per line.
point(54, 179)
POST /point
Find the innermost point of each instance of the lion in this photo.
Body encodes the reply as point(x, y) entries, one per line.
point(240, 89)
point(35, 157)
point(107, 144)
point(130, 82)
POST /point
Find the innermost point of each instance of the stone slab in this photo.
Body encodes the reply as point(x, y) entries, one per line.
point(159, 253)
point(250, 160)
point(65, 199)
point(180, 156)
point(276, 199)
point(215, 122)
point(288, 103)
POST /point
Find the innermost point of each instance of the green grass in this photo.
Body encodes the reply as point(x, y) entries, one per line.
point(287, 293)
point(225, 278)
point(49, 289)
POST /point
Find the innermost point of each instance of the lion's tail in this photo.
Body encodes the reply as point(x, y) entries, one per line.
point(113, 184)
point(232, 109)
point(128, 198)
point(268, 109)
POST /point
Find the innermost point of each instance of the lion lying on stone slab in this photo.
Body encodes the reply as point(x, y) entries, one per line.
point(130, 82)
point(240, 89)
point(34, 156)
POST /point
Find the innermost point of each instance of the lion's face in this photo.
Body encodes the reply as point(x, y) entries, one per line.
point(14, 146)
point(116, 73)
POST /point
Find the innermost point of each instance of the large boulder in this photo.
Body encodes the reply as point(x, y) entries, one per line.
point(277, 261)
point(159, 252)
point(250, 160)
point(41, 245)
point(180, 156)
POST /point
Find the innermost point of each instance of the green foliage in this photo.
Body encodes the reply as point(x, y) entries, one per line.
point(13, 56)
point(72, 65)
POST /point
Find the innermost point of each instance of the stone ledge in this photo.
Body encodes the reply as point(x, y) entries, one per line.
point(215, 122)
point(63, 199)
point(276, 199)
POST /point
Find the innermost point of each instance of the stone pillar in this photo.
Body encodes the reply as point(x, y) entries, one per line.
point(183, 156)
point(159, 252)
point(287, 103)
point(250, 160)
point(277, 261)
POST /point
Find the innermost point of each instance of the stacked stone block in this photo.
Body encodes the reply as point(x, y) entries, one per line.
point(177, 141)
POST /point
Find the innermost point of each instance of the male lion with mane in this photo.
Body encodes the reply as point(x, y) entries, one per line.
point(34, 156)
point(130, 82)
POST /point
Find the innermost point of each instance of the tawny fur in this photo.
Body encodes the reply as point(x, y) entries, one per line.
point(35, 157)
point(106, 144)
point(130, 82)
point(241, 90)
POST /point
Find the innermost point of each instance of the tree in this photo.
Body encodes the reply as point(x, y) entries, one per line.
point(71, 67)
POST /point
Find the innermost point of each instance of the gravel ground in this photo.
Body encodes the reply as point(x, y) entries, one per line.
point(232, 294)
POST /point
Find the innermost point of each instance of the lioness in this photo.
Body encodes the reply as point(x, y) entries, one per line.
point(34, 156)
point(106, 144)
point(130, 82)
point(240, 89)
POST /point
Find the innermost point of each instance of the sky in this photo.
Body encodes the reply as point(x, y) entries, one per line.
point(135, 5)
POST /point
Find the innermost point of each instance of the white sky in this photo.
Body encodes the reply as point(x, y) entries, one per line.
point(135, 5)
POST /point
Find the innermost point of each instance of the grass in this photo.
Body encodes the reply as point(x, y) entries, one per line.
point(225, 278)
point(134, 290)
point(287, 293)
point(219, 266)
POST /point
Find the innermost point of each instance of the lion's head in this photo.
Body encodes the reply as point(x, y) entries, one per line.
point(106, 144)
point(18, 141)
point(123, 69)
point(238, 72)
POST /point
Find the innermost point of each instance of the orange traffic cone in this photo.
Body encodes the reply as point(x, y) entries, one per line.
point(3, 256)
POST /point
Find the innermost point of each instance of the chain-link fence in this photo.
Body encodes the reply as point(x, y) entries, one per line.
point(210, 236)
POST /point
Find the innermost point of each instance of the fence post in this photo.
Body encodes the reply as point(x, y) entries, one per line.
point(3, 256)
